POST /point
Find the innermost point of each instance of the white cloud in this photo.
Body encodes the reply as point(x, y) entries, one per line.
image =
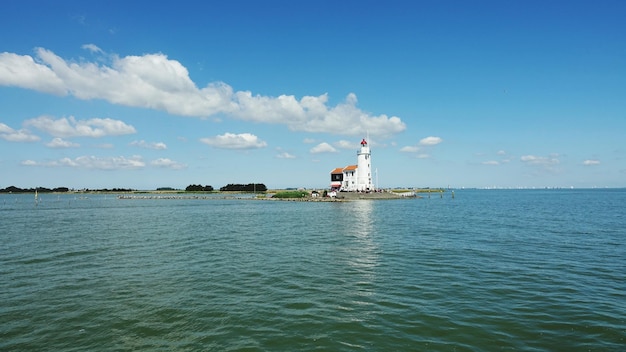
point(501, 152)
point(11, 135)
point(167, 163)
point(156, 82)
point(591, 162)
point(491, 162)
point(93, 48)
point(323, 148)
point(107, 163)
point(423, 143)
point(285, 155)
point(24, 72)
point(540, 160)
point(61, 143)
point(235, 141)
point(410, 149)
point(430, 141)
point(5, 129)
point(153, 145)
point(343, 144)
point(311, 114)
point(70, 127)
point(93, 162)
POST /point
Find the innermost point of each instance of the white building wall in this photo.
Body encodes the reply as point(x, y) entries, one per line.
point(350, 180)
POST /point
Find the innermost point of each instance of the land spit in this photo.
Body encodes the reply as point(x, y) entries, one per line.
point(341, 197)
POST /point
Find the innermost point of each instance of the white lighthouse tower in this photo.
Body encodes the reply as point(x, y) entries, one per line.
point(364, 168)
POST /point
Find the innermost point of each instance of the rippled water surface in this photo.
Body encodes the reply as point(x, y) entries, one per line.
point(485, 270)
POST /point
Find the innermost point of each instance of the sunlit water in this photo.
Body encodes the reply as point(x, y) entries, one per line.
point(486, 270)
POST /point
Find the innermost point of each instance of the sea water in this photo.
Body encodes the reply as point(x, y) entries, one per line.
point(487, 270)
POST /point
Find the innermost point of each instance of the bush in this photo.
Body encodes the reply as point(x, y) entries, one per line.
point(199, 188)
point(250, 187)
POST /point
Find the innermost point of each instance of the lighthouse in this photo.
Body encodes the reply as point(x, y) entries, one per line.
point(364, 168)
point(354, 177)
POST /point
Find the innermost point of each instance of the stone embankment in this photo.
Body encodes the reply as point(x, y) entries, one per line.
point(371, 195)
point(347, 196)
point(341, 197)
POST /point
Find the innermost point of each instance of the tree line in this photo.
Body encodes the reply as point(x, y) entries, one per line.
point(199, 188)
point(250, 187)
point(13, 189)
point(231, 187)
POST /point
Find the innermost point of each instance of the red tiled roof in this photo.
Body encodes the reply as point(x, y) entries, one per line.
point(340, 170)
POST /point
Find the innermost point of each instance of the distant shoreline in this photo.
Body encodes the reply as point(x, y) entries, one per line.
point(272, 191)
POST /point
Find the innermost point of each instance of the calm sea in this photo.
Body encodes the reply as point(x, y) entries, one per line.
point(487, 270)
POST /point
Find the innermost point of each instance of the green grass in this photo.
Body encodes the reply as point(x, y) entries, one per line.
point(291, 194)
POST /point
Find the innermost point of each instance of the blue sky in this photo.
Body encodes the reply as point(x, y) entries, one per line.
point(144, 94)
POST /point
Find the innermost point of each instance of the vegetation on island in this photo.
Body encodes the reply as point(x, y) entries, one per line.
point(250, 187)
point(231, 187)
point(291, 194)
point(199, 188)
point(13, 189)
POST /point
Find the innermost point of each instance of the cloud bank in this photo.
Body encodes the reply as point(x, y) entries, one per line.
point(93, 162)
point(134, 162)
point(154, 81)
point(70, 127)
point(9, 134)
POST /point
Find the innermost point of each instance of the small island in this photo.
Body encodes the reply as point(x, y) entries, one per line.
point(251, 191)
